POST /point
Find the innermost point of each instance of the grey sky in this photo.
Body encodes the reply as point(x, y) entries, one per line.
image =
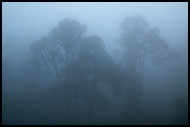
point(27, 20)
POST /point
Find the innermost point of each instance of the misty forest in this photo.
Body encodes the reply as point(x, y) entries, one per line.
point(94, 63)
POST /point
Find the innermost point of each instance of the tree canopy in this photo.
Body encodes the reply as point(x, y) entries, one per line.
point(80, 67)
point(78, 64)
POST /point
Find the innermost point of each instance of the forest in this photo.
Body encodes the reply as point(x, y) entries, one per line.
point(71, 75)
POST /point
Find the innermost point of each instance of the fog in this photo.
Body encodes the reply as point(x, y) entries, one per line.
point(118, 63)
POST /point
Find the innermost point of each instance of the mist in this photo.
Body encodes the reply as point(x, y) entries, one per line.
point(112, 63)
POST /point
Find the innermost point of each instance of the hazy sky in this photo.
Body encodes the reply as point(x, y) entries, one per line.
point(29, 20)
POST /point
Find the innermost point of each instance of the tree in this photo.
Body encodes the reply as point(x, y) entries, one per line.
point(52, 53)
point(140, 44)
point(77, 64)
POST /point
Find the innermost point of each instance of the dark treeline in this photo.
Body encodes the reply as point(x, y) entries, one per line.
point(85, 85)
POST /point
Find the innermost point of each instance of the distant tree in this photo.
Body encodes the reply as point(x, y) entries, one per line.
point(77, 64)
point(99, 68)
point(140, 43)
point(55, 51)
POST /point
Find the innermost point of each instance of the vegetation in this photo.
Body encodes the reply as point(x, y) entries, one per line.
point(80, 68)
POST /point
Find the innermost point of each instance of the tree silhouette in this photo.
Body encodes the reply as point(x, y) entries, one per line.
point(140, 44)
point(78, 65)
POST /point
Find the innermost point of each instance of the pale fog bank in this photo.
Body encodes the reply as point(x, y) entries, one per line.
point(114, 63)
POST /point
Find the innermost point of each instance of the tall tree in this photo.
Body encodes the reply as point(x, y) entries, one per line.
point(77, 64)
point(140, 44)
